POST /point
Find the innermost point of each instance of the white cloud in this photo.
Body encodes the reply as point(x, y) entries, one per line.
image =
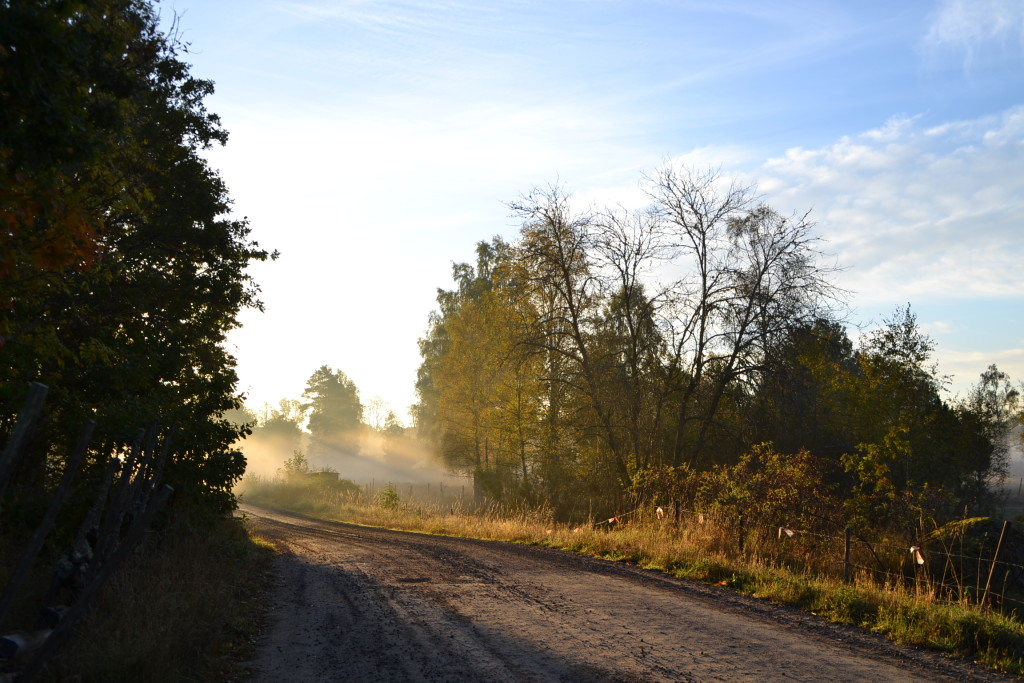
point(936, 327)
point(966, 366)
point(916, 212)
point(965, 22)
point(972, 28)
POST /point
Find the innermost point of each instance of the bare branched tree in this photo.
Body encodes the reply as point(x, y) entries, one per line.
point(628, 246)
point(750, 273)
point(557, 251)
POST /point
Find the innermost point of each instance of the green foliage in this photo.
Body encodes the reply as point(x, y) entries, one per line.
point(478, 385)
point(295, 466)
point(387, 497)
point(121, 270)
point(335, 411)
point(285, 421)
point(775, 489)
point(807, 390)
point(557, 368)
point(557, 371)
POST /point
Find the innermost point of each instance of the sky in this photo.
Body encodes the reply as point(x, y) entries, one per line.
point(375, 142)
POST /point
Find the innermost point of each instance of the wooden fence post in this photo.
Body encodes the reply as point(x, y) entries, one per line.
point(741, 532)
point(135, 502)
point(63, 629)
point(28, 557)
point(846, 556)
point(992, 567)
point(26, 418)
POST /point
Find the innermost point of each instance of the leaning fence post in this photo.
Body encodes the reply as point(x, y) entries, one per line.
point(35, 544)
point(110, 528)
point(846, 556)
point(62, 629)
point(26, 418)
point(992, 567)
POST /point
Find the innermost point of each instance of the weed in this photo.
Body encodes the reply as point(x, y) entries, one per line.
point(387, 497)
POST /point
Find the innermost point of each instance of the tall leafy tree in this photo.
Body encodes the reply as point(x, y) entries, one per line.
point(994, 409)
point(280, 428)
point(561, 365)
point(334, 409)
point(121, 269)
point(805, 398)
point(476, 388)
point(556, 248)
point(627, 247)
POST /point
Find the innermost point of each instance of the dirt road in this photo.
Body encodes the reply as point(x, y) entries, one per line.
point(360, 604)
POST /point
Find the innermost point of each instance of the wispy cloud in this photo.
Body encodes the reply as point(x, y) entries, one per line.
point(975, 27)
point(916, 212)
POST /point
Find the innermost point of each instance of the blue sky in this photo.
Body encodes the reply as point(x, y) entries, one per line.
point(373, 143)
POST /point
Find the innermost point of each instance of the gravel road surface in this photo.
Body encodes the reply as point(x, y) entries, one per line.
point(354, 603)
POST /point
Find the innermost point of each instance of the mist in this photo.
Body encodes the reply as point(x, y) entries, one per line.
point(363, 457)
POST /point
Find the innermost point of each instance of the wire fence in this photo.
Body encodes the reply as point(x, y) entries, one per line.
point(940, 567)
point(946, 569)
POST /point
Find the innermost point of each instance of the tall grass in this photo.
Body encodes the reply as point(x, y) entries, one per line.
point(802, 573)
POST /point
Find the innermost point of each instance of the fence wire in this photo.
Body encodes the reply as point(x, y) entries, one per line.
point(921, 564)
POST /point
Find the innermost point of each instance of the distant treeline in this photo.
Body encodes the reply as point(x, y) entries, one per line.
point(610, 352)
point(329, 420)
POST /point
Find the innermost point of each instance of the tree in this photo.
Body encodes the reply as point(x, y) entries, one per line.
point(998, 404)
point(121, 273)
point(609, 371)
point(899, 394)
point(994, 406)
point(392, 427)
point(805, 397)
point(627, 246)
point(560, 366)
point(279, 430)
point(375, 413)
point(295, 467)
point(751, 274)
point(475, 384)
point(335, 411)
point(555, 249)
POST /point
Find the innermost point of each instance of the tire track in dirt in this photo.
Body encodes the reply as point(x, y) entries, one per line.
point(362, 604)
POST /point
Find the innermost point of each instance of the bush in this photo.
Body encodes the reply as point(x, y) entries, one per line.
point(387, 497)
